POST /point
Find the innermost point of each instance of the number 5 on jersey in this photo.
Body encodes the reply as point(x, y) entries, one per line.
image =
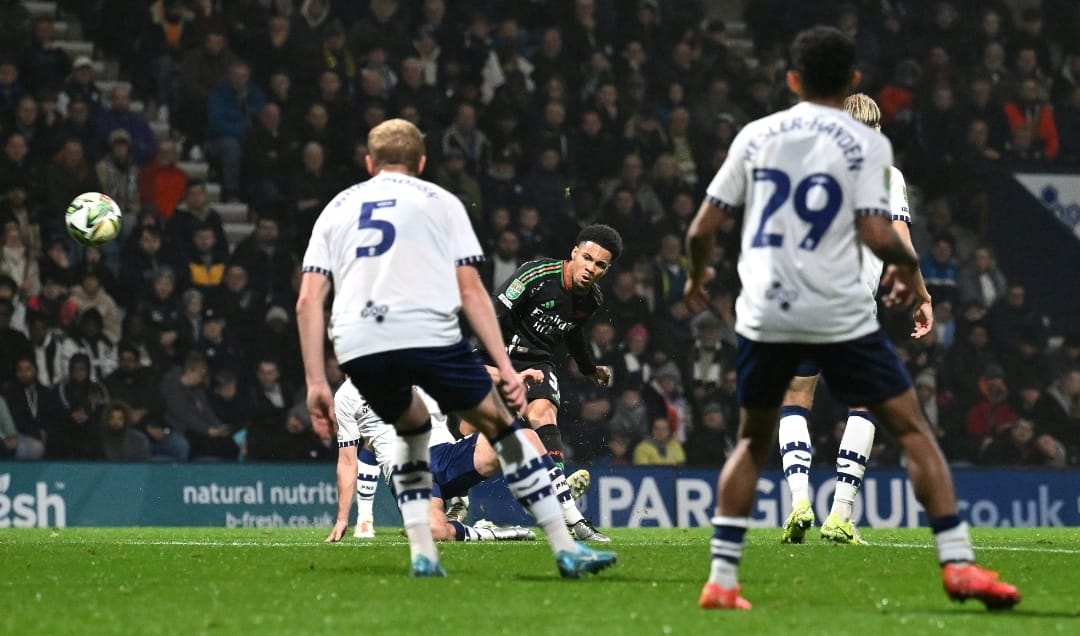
point(385, 229)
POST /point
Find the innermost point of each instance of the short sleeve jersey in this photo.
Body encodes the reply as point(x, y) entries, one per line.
point(803, 176)
point(898, 206)
point(392, 246)
point(356, 422)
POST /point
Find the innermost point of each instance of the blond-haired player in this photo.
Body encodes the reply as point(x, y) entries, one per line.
point(858, 439)
point(400, 254)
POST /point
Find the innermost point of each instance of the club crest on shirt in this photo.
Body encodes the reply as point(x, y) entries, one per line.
point(515, 289)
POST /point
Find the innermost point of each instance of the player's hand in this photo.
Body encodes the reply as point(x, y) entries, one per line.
point(902, 281)
point(532, 376)
point(337, 532)
point(602, 376)
point(320, 404)
point(512, 389)
point(924, 319)
point(694, 293)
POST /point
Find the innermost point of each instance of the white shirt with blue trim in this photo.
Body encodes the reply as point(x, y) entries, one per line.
point(803, 176)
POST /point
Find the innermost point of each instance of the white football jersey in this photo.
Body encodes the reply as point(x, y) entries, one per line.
point(392, 246)
point(804, 175)
point(872, 266)
point(356, 422)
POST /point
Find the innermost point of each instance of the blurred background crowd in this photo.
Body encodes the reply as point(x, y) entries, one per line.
point(223, 128)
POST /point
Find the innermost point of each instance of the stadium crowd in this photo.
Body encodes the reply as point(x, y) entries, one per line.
point(542, 116)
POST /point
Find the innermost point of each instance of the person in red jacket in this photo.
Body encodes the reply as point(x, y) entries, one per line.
point(1031, 111)
point(162, 184)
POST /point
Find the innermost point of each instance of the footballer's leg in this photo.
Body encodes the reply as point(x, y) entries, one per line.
point(413, 481)
point(796, 451)
point(855, 446)
point(367, 481)
point(526, 470)
point(735, 496)
point(868, 371)
point(542, 412)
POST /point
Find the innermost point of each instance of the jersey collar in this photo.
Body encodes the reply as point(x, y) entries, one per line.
point(567, 282)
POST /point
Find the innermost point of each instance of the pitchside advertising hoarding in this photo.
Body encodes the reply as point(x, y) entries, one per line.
point(262, 496)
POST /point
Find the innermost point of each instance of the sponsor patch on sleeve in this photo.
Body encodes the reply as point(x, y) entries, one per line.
point(515, 289)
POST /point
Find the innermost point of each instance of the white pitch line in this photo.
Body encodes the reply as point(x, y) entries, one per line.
point(366, 544)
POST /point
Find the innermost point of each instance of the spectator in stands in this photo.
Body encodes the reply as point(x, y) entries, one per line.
point(134, 385)
point(121, 441)
point(980, 279)
point(160, 308)
point(216, 344)
point(1027, 365)
point(307, 24)
point(265, 257)
point(9, 291)
point(710, 443)
point(594, 150)
point(659, 448)
point(941, 270)
point(206, 263)
point(11, 90)
point(273, 50)
point(119, 177)
point(53, 302)
point(709, 359)
point(80, 85)
point(18, 168)
point(13, 444)
point(202, 69)
point(231, 110)
point(13, 344)
point(273, 398)
point(18, 262)
point(1019, 445)
point(504, 261)
point(33, 405)
point(299, 442)
point(188, 412)
point(312, 188)
point(143, 260)
point(629, 418)
point(1012, 317)
point(81, 125)
point(48, 64)
point(67, 177)
point(90, 294)
point(464, 136)
point(279, 328)
point(1067, 116)
point(161, 46)
point(1057, 412)
point(120, 115)
point(632, 178)
point(231, 404)
point(663, 397)
point(268, 158)
point(1029, 111)
point(76, 434)
point(195, 211)
point(992, 414)
point(86, 339)
point(162, 183)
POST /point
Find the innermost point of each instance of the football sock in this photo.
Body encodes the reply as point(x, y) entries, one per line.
point(727, 547)
point(463, 532)
point(855, 448)
point(551, 438)
point(527, 475)
point(412, 484)
point(952, 539)
point(795, 451)
point(367, 480)
point(571, 514)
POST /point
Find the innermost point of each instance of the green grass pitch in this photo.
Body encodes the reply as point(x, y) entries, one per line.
point(216, 581)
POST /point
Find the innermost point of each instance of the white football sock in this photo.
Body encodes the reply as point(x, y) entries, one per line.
point(726, 548)
point(855, 448)
point(954, 544)
point(795, 451)
point(367, 481)
point(527, 475)
point(571, 514)
point(412, 484)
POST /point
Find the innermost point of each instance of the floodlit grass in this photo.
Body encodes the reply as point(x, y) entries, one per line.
point(198, 580)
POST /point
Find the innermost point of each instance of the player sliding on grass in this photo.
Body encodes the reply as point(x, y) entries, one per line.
point(548, 302)
point(401, 253)
point(812, 182)
point(456, 466)
point(858, 438)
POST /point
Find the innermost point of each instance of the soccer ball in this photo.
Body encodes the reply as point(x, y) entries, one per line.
point(93, 219)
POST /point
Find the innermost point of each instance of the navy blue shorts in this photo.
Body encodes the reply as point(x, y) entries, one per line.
point(807, 369)
point(453, 375)
point(453, 470)
point(864, 371)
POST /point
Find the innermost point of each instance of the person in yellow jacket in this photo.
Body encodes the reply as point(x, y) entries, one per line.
point(660, 448)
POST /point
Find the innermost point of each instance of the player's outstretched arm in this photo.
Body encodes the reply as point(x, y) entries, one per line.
point(700, 238)
point(924, 309)
point(314, 288)
point(347, 465)
point(478, 310)
point(903, 266)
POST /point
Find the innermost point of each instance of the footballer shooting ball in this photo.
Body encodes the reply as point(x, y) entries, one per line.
point(93, 219)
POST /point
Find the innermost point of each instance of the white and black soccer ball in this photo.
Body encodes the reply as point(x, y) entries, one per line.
point(93, 219)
